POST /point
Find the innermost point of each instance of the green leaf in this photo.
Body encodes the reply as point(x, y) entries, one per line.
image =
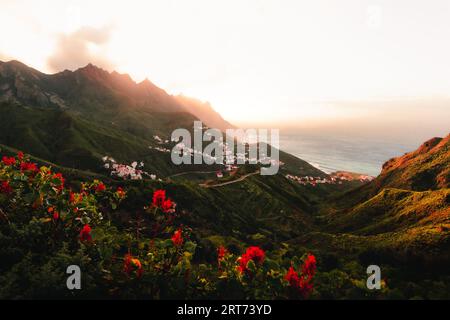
point(29, 197)
point(85, 220)
point(167, 243)
point(190, 246)
point(271, 264)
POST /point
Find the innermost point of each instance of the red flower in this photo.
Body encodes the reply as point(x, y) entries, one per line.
point(59, 176)
point(130, 264)
point(120, 192)
point(127, 263)
point(253, 253)
point(167, 205)
point(85, 233)
point(28, 166)
point(221, 252)
point(9, 161)
point(20, 155)
point(55, 213)
point(177, 238)
point(71, 197)
point(5, 187)
point(138, 265)
point(309, 266)
point(100, 187)
point(303, 284)
point(159, 196)
point(292, 277)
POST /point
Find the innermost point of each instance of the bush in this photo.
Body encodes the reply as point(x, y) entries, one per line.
point(46, 226)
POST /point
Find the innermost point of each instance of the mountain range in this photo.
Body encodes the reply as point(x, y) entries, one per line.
point(76, 118)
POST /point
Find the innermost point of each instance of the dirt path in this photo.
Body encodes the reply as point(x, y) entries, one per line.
point(228, 182)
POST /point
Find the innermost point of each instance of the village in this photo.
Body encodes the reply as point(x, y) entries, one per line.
point(339, 177)
point(230, 164)
point(134, 171)
point(230, 160)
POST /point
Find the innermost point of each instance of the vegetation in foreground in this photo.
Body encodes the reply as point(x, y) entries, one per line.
point(46, 227)
point(48, 223)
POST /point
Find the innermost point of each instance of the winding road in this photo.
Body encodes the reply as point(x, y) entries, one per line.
point(188, 172)
point(229, 182)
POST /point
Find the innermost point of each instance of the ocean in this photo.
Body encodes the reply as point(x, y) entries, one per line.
point(333, 152)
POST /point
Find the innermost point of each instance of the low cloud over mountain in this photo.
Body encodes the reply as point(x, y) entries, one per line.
point(76, 49)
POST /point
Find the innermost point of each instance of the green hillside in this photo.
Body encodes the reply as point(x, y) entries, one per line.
point(395, 210)
point(389, 220)
point(427, 168)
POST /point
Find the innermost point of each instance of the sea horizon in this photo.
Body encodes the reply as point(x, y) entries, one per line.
point(340, 152)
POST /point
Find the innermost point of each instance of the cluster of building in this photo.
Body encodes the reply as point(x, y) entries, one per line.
point(134, 171)
point(334, 178)
point(159, 140)
point(160, 149)
point(230, 168)
point(228, 155)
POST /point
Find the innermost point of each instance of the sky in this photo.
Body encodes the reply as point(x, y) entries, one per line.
point(255, 61)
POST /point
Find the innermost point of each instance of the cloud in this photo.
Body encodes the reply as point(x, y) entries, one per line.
point(4, 57)
point(86, 45)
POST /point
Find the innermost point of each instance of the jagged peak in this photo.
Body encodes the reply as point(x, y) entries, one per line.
point(93, 72)
point(91, 68)
point(148, 85)
point(123, 77)
point(146, 82)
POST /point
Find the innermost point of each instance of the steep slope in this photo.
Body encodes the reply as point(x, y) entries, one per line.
point(427, 168)
point(87, 87)
point(76, 118)
point(95, 91)
point(395, 210)
point(65, 138)
point(404, 214)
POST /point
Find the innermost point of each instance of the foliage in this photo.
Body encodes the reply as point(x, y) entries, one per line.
point(46, 226)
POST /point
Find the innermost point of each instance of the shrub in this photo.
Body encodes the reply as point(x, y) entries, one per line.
point(46, 226)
